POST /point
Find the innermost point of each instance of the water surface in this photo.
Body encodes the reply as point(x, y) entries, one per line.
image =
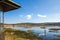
point(43, 32)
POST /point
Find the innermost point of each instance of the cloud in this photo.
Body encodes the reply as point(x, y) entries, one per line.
point(28, 17)
point(42, 16)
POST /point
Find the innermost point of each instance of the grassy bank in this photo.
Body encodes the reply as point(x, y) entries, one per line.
point(11, 34)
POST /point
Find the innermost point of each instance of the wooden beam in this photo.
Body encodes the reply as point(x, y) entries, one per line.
point(8, 5)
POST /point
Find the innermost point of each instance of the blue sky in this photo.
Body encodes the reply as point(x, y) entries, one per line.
point(34, 11)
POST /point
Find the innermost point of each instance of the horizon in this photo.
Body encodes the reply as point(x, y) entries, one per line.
point(34, 11)
point(29, 22)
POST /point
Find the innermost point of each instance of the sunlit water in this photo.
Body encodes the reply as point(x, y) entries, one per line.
point(40, 31)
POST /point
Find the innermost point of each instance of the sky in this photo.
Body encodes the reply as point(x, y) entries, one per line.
point(34, 11)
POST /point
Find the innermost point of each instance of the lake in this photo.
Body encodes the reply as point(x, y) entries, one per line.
point(42, 32)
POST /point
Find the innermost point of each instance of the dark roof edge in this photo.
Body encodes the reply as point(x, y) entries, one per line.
point(13, 3)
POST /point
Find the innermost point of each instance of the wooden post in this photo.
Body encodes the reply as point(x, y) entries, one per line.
point(2, 24)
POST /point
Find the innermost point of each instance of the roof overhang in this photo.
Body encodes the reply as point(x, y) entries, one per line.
point(8, 5)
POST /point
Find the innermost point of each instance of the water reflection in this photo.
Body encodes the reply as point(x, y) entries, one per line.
point(43, 32)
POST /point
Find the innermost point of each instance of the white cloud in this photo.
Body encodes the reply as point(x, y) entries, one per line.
point(28, 17)
point(42, 16)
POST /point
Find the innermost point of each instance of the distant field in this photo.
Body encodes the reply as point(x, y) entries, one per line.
point(30, 24)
